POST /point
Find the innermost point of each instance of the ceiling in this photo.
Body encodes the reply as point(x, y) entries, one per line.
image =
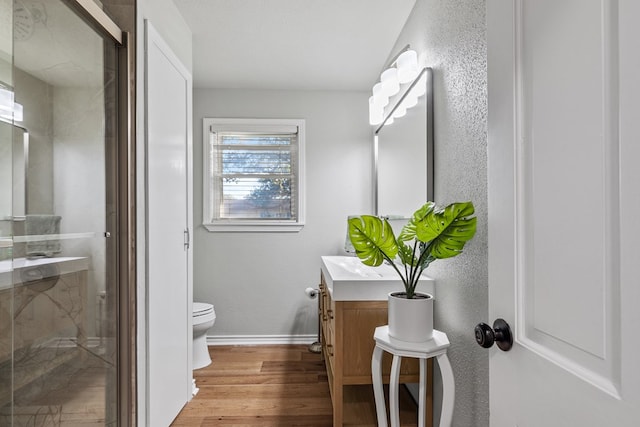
point(292, 44)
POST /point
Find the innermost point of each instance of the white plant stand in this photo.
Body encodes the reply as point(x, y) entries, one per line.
point(436, 347)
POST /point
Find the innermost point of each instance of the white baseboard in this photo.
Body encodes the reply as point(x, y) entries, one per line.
point(260, 339)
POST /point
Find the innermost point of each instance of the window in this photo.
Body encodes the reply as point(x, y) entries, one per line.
point(253, 174)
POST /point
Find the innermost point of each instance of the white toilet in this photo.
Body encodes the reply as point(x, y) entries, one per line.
point(203, 319)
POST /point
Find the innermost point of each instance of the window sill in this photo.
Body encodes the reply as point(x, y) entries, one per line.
point(253, 227)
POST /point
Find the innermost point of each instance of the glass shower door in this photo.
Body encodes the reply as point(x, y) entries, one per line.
point(6, 213)
point(58, 336)
point(6, 264)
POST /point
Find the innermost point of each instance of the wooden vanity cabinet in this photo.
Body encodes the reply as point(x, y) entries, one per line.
point(347, 346)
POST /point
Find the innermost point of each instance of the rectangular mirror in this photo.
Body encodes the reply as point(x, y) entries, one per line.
point(403, 154)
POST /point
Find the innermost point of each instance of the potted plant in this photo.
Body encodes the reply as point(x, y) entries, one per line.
point(431, 233)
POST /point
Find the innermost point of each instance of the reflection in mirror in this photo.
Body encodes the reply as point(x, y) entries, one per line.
point(14, 147)
point(6, 193)
point(403, 154)
point(6, 169)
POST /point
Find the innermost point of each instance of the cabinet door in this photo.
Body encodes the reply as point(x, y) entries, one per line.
point(360, 319)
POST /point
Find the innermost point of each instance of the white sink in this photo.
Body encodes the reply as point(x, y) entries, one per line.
point(348, 279)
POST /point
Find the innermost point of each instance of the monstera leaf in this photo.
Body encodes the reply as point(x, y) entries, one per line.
point(406, 254)
point(409, 230)
point(373, 239)
point(447, 229)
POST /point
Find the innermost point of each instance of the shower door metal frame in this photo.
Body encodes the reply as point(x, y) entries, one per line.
point(120, 232)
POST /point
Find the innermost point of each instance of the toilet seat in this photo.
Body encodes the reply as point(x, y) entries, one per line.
point(202, 309)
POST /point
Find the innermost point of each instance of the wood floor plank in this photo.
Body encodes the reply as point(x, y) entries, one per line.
point(291, 366)
point(280, 420)
point(283, 391)
point(240, 353)
point(278, 378)
point(258, 406)
point(233, 367)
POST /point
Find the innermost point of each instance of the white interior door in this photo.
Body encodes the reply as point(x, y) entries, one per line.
point(168, 98)
point(564, 203)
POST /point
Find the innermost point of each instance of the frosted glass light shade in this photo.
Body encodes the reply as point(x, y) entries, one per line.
point(389, 80)
point(18, 112)
point(376, 112)
point(379, 96)
point(407, 64)
point(6, 101)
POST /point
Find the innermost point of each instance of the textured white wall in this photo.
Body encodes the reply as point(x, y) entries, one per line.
point(256, 280)
point(450, 37)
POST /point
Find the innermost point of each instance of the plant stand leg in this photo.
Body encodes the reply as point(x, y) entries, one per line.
point(376, 373)
point(393, 391)
point(422, 396)
point(448, 390)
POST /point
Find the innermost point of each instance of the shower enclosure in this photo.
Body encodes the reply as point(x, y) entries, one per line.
point(64, 333)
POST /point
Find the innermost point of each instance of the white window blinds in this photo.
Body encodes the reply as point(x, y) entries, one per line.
point(254, 173)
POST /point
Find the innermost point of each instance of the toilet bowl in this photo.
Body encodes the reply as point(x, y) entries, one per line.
point(203, 319)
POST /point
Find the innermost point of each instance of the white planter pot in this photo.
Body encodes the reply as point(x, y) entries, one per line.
point(410, 319)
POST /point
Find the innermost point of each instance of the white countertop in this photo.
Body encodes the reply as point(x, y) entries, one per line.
point(348, 279)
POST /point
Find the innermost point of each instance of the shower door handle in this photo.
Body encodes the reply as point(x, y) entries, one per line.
point(187, 239)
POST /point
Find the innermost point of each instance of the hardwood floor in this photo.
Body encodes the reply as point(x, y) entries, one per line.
point(280, 386)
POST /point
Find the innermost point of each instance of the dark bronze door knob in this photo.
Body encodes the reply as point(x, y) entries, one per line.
point(500, 333)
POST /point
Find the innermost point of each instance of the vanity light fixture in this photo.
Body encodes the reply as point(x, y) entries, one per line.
point(18, 112)
point(407, 64)
point(6, 101)
point(379, 96)
point(403, 69)
point(376, 111)
point(9, 109)
point(390, 82)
